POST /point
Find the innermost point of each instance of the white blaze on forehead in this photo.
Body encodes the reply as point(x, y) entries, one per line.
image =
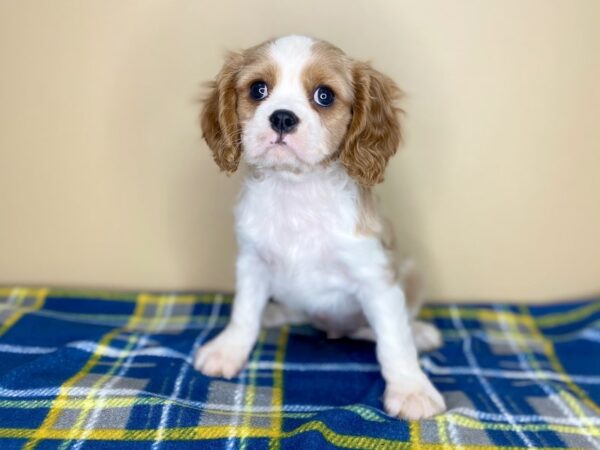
point(289, 49)
point(291, 54)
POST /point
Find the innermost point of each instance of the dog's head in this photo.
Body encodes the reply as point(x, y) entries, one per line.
point(294, 104)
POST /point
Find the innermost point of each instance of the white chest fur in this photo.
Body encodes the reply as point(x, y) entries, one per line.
point(300, 227)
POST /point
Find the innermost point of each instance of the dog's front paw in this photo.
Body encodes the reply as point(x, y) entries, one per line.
point(413, 400)
point(224, 356)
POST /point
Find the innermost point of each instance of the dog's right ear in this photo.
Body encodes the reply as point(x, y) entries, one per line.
point(219, 119)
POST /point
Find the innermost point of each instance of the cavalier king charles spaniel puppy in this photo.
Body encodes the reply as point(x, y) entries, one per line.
point(315, 130)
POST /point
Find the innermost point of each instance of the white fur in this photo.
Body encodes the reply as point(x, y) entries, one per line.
point(298, 244)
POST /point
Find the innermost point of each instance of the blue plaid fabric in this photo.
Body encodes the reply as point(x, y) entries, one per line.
point(97, 370)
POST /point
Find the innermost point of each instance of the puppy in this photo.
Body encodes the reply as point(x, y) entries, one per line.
point(315, 129)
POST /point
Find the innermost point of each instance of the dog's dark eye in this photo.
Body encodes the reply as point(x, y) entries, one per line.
point(323, 96)
point(259, 90)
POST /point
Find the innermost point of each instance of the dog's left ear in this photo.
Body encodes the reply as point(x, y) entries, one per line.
point(219, 119)
point(374, 133)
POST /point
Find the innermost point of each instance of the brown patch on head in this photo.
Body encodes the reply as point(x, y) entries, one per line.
point(330, 67)
point(228, 103)
point(258, 66)
point(374, 133)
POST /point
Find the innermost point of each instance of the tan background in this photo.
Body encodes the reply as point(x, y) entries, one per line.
point(105, 182)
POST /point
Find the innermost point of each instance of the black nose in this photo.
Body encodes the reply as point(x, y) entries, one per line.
point(283, 121)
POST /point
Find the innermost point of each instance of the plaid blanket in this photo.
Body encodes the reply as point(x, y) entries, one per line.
point(97, 370)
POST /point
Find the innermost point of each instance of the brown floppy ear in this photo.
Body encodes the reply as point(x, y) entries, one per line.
point(374, 132)
point(219, 120)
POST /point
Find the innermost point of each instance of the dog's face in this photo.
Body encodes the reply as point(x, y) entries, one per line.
point(293, 104)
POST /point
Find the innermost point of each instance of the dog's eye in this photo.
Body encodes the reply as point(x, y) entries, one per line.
point(259, 90)
point(323, 96)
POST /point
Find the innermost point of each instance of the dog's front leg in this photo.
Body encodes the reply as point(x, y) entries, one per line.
point(409, 393)
point(226, 354)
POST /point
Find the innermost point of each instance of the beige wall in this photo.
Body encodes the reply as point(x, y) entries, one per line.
point(104, 181)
